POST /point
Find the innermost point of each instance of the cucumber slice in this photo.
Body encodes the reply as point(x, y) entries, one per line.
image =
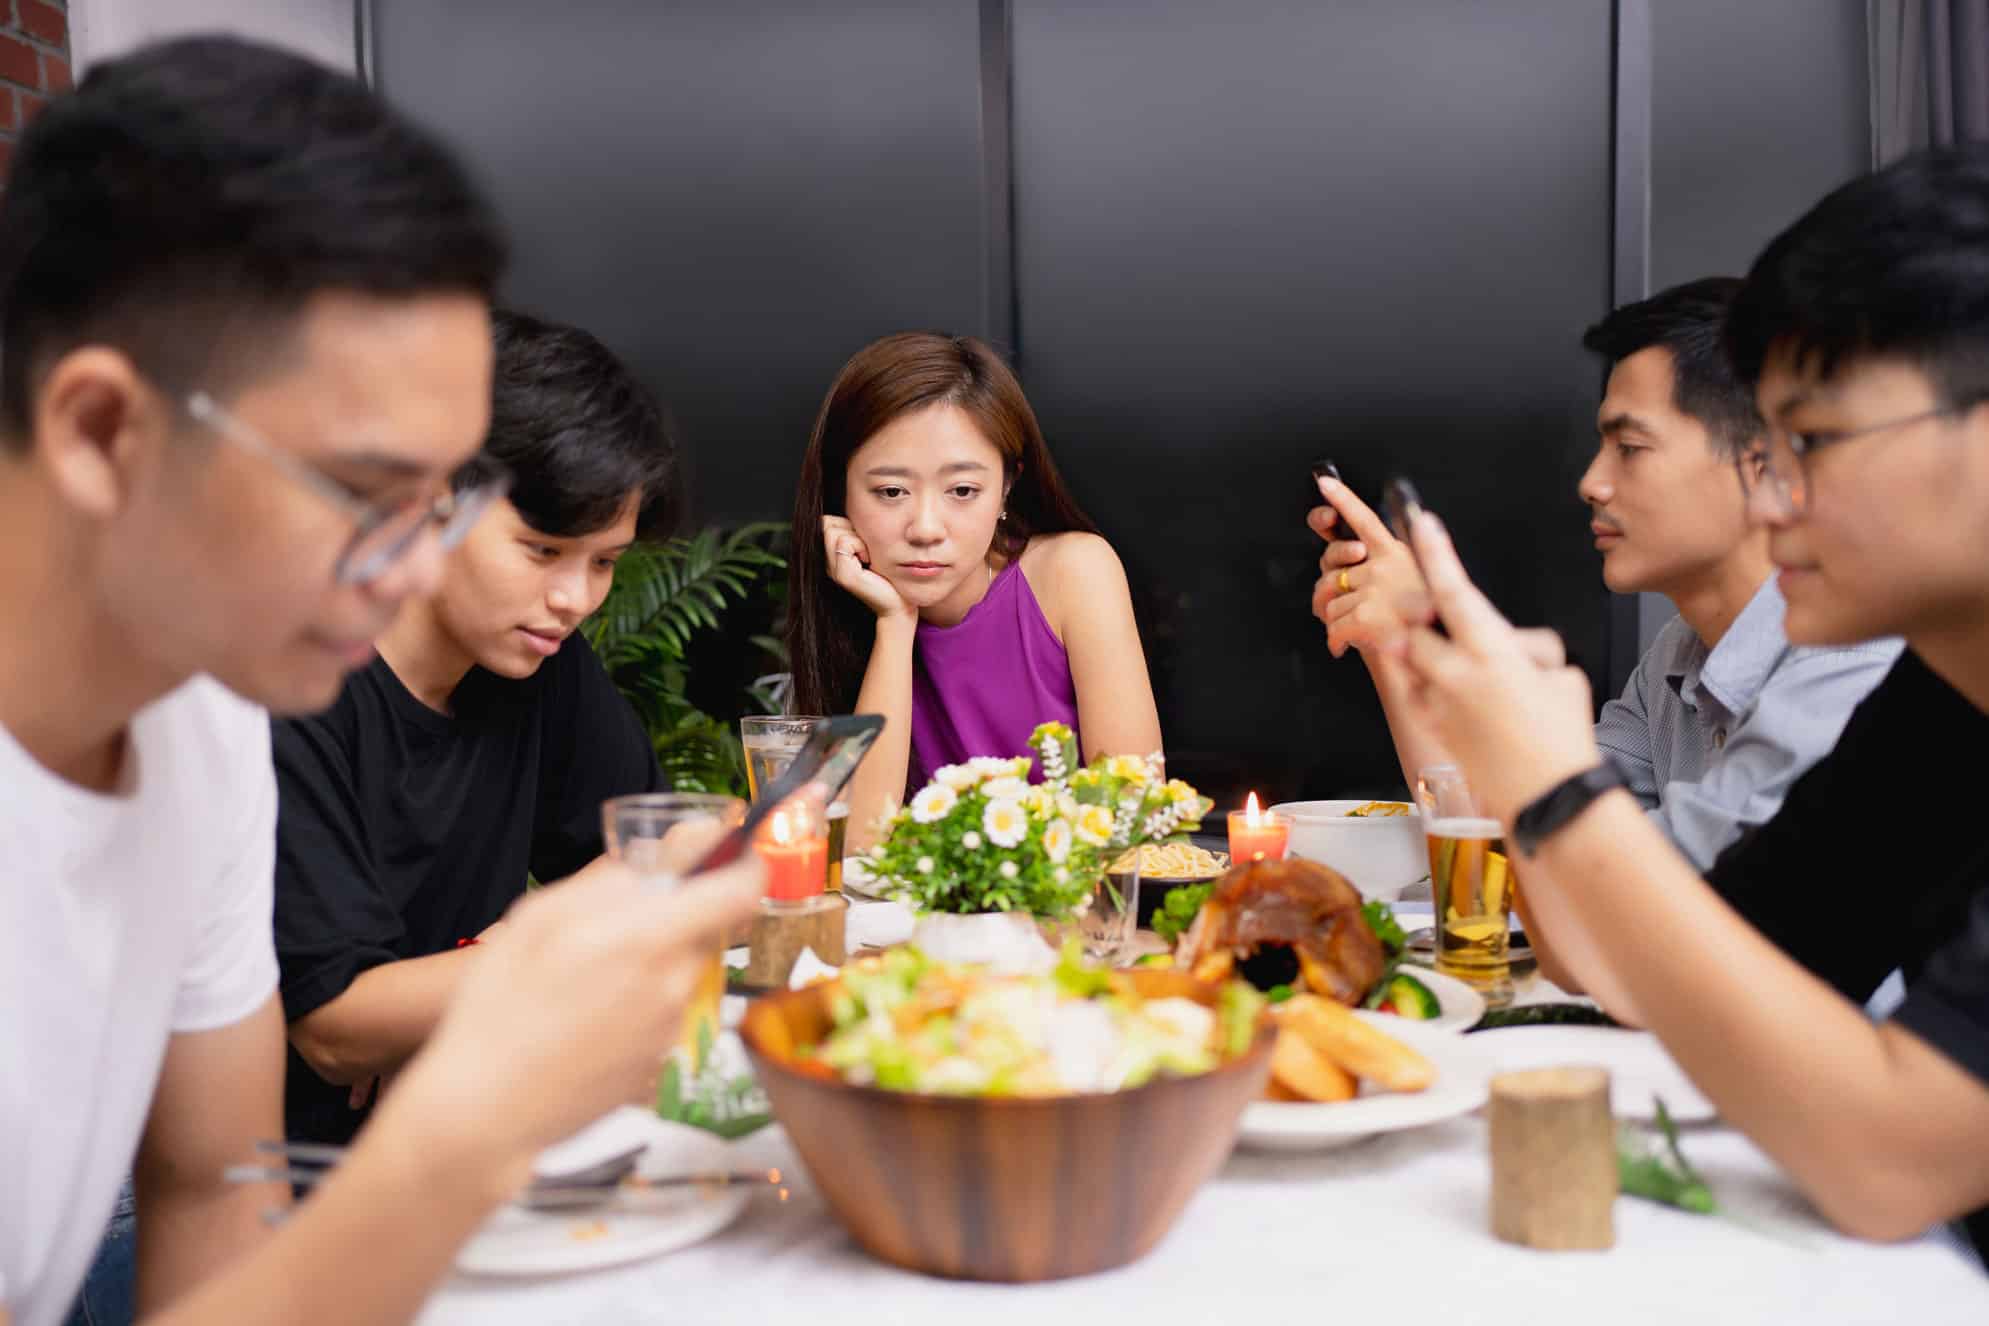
point(1410, 998)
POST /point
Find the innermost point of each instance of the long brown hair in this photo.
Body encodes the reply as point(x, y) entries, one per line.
point(829, 632)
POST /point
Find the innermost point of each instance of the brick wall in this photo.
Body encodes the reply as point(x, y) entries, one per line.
point(34, 64)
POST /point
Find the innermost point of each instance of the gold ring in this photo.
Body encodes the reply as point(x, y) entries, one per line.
point(1345, 588)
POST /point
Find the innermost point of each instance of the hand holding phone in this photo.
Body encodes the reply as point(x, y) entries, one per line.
point(1403, 507)
point(1326, 469)
point(827, 761)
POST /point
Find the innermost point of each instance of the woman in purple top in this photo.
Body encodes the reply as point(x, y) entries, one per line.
point(944, 577)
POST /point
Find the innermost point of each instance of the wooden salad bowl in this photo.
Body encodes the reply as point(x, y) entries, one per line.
point(1002, 1189)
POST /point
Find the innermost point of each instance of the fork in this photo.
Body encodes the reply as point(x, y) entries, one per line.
point(591, 1185)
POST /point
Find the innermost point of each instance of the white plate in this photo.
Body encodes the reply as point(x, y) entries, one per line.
point(1462, 1072)
point(518, 1242)
point(1640, 1069)
point(1460, 1006)
point(858, 881)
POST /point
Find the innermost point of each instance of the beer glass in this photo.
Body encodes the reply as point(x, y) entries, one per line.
point(1470, 884)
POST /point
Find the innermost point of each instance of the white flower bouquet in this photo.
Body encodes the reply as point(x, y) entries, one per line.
point(980, 838)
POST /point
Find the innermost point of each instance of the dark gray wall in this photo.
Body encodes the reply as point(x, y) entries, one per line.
point(1249, 236)
point(1240, 236)
point(1759, 109)
point(734, 195)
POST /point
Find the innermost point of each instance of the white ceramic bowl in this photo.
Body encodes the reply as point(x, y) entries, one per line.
point(1379, 854)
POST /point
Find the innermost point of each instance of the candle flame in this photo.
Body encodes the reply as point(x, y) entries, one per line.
point(779, 829)
point(1253, 814)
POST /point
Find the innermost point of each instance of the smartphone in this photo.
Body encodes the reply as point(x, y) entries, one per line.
point(1403, 505)
point(1326, 469)
point(834, 749)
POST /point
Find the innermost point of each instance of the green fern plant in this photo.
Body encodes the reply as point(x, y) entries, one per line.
point(664, 595)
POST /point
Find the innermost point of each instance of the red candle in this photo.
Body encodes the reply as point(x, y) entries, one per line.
point(796, 853)
point(1258, 835)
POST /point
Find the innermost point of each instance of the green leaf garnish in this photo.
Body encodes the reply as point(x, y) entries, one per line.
point(1641, 1171)
point(1380, 918)
point(1177, 910)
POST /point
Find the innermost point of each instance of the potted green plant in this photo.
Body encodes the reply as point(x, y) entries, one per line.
point(988, 860)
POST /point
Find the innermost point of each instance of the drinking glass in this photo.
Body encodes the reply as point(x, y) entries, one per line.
point(1105, 926)
point(1470, 884)
point(838, 830)
point(771, 741)
point(656, 835)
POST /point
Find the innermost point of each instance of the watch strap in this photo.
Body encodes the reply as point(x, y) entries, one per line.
point(1561, 803)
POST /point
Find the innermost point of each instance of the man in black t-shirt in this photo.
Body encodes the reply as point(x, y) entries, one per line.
point(1863, 869)
point(1865, 328)
point(481, 742)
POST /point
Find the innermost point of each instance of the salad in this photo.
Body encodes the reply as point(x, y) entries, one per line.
point(906, 1023)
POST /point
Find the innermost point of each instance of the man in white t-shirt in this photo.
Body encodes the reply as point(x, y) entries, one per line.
point(244, 343)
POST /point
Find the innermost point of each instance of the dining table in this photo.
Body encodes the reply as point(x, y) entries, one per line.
point(1395, 1225)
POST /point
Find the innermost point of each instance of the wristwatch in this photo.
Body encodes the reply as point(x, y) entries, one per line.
point(1561, 803)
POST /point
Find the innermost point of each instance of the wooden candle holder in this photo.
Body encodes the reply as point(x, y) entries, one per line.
point(783, 928)
point(1553, 1159)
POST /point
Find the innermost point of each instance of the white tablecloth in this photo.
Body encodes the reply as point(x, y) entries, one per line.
point(1393, 1225)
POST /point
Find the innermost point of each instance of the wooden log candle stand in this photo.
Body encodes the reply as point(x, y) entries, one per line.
point(783, 928)
point(1553, 1159)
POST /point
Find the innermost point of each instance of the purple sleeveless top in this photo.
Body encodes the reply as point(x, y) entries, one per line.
point(981, 686)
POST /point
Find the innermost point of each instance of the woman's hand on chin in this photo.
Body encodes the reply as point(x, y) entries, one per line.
point(849, 566)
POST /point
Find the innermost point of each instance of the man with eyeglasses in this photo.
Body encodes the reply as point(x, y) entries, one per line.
point(479, 746)
point(1865, 328)
point(244, 347)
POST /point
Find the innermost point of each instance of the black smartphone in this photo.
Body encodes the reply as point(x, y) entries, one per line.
point(830, 757)
point(1403, 504)
point(1324, 469)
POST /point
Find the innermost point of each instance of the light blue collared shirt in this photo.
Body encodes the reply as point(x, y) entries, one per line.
point(1710, 741)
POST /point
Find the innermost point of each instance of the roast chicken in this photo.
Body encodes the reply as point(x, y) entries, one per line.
point(1291, 922)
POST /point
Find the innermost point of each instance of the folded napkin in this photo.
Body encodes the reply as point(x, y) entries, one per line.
point(808, 969)
point(877, 924)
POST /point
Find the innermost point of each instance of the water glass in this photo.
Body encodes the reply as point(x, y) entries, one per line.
point(658, 835)
point(1105, 926)
point(771, 742)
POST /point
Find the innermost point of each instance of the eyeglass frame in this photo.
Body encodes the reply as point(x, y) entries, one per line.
point(450, 514)
point(1791, 493)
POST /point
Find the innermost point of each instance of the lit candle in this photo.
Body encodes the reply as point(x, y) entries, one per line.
point(1256, 834)
point(796, 853)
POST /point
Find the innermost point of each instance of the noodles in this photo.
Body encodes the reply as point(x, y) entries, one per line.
point(1173, 861)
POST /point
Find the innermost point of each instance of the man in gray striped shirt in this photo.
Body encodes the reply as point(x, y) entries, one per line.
point(1722, 714)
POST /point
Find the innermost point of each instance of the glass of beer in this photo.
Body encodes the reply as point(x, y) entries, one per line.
point(1470, 884)
point(838, 830)
point(657, 835)
point(771, 741)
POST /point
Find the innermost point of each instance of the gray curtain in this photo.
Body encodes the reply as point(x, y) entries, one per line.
point(1929, 74)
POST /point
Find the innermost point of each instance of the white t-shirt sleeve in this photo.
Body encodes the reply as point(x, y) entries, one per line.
point(231, 968)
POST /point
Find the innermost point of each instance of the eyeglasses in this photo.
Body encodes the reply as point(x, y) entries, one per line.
point(384, 531)
point(1782, 461)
